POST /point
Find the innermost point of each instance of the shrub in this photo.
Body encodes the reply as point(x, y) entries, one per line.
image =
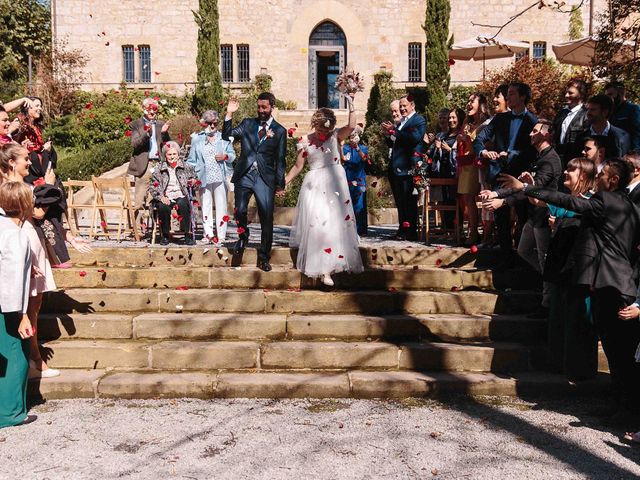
point(182, 126)
point(547, 80)
point(102, 117)
point(96, 160)
point(459, 96)
point(382, 94)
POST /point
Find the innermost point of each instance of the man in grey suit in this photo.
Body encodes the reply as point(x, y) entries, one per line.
point(259, 171)
point(147, 136)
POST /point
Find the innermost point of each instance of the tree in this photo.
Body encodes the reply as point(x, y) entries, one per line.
point(380, 97)
point(576, 26)
point(59, 72)
point(437, 76)
point(25, 29)
point(209, 87)
point(620, 24)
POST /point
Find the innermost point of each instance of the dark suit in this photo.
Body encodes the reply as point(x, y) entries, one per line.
point(618, 141)
point(570, 148)
point(605, 252)
point(627, 117)
point(261, 180)
point(547, 172)
point(407, 142)
point(520, 158)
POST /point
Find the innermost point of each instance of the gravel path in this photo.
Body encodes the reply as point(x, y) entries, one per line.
point(485, 437)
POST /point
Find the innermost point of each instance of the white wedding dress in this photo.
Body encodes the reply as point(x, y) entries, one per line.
point(324, 227)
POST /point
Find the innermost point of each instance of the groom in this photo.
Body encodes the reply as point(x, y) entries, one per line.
point(259, 170)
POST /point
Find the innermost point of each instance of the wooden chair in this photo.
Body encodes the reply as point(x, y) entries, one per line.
point(73, 205)
point(428, 205)
point(120, 186)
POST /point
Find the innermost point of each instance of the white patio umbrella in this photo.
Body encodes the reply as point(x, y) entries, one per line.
point(583, 51)
point(486, 48)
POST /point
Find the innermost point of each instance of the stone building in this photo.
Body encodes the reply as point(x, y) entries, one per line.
point(302, 44)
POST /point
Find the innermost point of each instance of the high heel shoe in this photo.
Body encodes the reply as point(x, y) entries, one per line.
point(48, 373)
point(327, 280)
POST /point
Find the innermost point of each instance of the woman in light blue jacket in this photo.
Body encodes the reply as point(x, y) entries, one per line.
point(212, 158)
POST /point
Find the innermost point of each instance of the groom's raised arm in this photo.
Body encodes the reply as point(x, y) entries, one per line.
point(281, 164)
point(228, 131)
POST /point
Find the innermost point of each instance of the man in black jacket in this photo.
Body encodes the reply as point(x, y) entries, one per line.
point(598, 109)
point(259, 171)
point(605, 253)
point(536, 234)
point(625, 114)
point(571, 121)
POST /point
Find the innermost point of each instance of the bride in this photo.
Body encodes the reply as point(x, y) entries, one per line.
point(324, 228)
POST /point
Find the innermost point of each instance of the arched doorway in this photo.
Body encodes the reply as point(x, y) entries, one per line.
point(327, 58)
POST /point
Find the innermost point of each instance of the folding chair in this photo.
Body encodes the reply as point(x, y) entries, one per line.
point(74, 204)
point(120, 186)
point(427, 205)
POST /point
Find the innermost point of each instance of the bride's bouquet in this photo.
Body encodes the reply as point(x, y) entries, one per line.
point(420, 173)
point(349, 82)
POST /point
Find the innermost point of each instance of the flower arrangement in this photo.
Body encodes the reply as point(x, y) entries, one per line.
point(349, 82)
point(420, 173)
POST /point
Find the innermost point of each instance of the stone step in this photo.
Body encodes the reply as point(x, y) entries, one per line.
point(101, 300)
point(201, 256)
point(287, 355)
point(280, 278)
point(355, 384)
point(238, 326)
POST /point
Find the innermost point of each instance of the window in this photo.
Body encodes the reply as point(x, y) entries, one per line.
point(144, 53)
point(415, 62)
point(128, 66)
point(522, 55)
point(539, 50)
point(243, 63)
point(226, 61)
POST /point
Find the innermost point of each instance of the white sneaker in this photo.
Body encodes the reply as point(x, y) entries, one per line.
point(34, 372)
point(327, 280)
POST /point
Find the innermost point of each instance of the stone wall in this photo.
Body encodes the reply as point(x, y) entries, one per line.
point(277, 32)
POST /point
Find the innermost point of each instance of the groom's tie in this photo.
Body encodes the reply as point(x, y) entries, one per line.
point(263, 130)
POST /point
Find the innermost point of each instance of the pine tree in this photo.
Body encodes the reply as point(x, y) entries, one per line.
point(576, 26)
point(209, 90)
point(437, 76)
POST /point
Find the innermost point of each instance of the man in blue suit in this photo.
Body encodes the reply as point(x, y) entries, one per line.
point(259, 171)
point(404, 141)
point(512, 154)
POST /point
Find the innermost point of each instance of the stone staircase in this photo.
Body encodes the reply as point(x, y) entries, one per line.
point(194, 322)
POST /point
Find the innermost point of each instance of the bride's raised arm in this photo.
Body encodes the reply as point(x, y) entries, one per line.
point(344, 132)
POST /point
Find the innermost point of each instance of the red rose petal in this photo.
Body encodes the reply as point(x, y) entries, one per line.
point(406, 224)
point(225, 218)
point(101, 270)
point(127, 133)
point(392, 289)
point(103, 224)
point(340, 256)
point(438, 262)
point(455, 289)
point(374, 184)
point(215, 239)
point(82, 273)
point(241, 230)
point(473, 249)
point(182, 287)
point(327, 250)
point(347, 218)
